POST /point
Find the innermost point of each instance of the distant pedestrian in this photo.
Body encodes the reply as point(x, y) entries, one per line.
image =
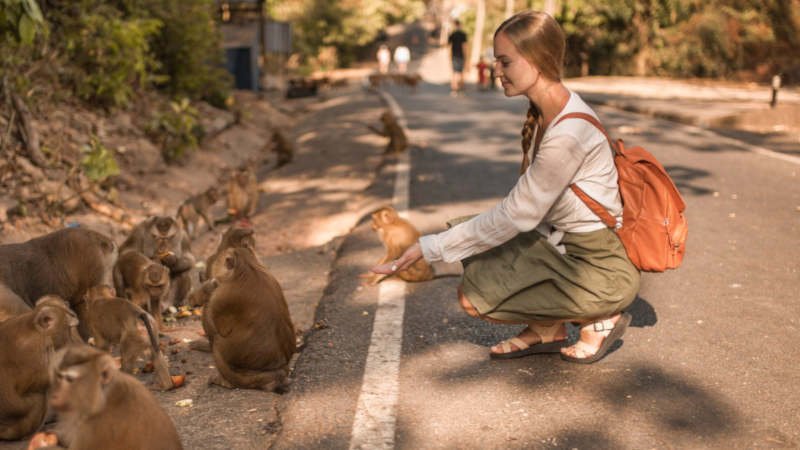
point(384, 56)
point(457, 41)
point(540, 257)
point(483, 68)
point(402, 55)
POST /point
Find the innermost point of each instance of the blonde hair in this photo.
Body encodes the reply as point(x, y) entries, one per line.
point(541, 41)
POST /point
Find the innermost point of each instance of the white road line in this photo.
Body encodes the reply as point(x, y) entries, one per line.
point(376, 415)
point(744, 145)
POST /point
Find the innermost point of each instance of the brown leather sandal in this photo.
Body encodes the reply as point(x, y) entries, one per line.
point(548, 343)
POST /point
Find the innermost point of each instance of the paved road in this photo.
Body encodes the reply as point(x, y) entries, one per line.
point(708, 363)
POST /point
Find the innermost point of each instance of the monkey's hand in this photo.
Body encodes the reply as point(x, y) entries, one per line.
point(168, 259)
point(43, 440)
point(409, 257)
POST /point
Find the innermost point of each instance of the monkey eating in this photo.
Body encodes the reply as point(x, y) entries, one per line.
point(63, 263)
point(242, 193)
point(145, 282)
point(392, 129)
point(247, 323)
point(161, 239)
point(99, 407)
point(196, 207)
point(397, 234)
point(112, 321)
point(28, 343)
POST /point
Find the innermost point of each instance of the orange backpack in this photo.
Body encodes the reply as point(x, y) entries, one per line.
point(653, 228)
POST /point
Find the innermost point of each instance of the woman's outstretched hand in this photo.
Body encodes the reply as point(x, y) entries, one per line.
point(409, 257)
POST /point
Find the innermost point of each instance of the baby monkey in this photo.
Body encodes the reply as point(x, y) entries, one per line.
point(397, 234)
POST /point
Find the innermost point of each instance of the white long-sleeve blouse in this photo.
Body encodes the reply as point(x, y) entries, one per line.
point(571, 151)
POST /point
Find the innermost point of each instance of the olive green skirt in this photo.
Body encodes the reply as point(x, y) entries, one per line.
point(527, 278)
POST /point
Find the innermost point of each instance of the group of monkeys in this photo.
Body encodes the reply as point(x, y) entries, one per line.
point(74, 286)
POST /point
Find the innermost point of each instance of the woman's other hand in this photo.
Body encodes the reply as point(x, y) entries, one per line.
point(409, 257)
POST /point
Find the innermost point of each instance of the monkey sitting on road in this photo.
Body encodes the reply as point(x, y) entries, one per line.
point(392, 129)
point(247, 323)
point(282, 148)
point(113, 321)
point(99, 407)
point(196, 207)
point(28, 342)
point(396, 235)
point(242, 193)
point(143, 281)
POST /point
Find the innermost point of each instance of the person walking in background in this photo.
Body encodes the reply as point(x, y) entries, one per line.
point(482, 78)
point(384, 56)
point(402, 55)
point(457, 41)
point(541, 257)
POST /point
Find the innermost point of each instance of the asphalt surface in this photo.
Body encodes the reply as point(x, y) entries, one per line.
point(707, 363)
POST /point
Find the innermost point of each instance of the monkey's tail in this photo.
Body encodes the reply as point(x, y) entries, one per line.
point(149, 324)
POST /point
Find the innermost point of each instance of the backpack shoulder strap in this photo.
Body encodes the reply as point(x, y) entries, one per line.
point(592, 120)
point(596, 207)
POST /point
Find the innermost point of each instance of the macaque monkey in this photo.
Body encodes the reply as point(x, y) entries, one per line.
point(99, 407)
point(392, 130)
point(113, 321)
point(202, 294)
point(161, 239)
point(234, 236)
point(28, 342)
point(408, 79)
point(242, 193)
point(63, 263)
point(396, 235)
point(247, 322)
point(282, 148)
point(145, 282)
point(196, 207)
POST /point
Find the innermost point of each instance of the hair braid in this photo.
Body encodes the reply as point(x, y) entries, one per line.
point(531, 123)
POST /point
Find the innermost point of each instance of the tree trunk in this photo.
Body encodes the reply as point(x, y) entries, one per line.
point(509, 8)
point(477, 38)
point(641, 25)
point(550, 7)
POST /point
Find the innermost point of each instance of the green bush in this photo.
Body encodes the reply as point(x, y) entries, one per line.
point(98, 162)
point(188, 47)
point(111, 57)
point(177, 131)
point(21, 19)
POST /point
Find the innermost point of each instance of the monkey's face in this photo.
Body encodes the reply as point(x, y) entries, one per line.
point(78, 379)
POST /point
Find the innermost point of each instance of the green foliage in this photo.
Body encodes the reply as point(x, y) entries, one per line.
point(21, 19)
point(98, 162)
point(188, 47)
point(346, 26)
point(716, 38)
point(177, 130)
point(111, 56)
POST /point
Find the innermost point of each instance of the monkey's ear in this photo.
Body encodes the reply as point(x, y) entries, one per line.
point(386, 216)
point(46, 318)
point(107, 369)
point(230, 261)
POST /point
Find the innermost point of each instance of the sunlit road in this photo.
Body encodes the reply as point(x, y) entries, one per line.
point(709, 362)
